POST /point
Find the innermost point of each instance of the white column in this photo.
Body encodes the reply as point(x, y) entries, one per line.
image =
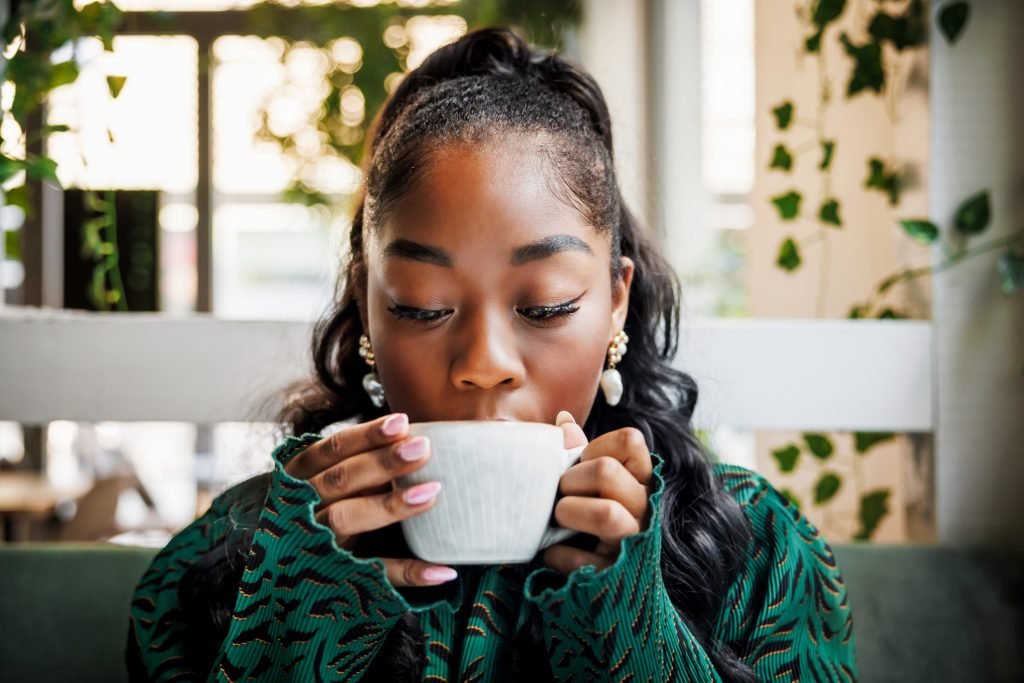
point(977, 143)
point(614, 49)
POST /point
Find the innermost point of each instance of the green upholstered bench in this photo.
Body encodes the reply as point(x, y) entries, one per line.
point(920, 613)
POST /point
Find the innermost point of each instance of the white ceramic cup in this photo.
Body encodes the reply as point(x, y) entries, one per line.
point(498, 487)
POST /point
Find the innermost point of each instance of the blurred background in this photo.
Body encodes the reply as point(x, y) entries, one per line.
point(837, 183)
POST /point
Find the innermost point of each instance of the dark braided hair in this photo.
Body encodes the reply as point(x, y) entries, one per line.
point(488, 85)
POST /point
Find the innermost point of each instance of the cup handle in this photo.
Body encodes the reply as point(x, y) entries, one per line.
point(555, 534)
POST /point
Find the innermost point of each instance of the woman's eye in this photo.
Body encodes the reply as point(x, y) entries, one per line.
point(418, 315)
point(535, 314)
point(543, 314)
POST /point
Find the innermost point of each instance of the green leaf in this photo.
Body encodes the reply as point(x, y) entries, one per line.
point(115, 84)
point(826, 11)
point(781, 158)
point(101, 19)
point(12, 245)
point(92, 201)
point(921, 230)
point(18, 196)
point(906, 30)
point(873, 507)
point(42, 168)
point(9, 168)
point(92, 238)
point(884, 179)
point(1011, 271)
point(820, 445)
point(787, 457)
point(813, 43)
point(97, 288)
point(788, 205)
point(791, 497)
point(891, 314)
point(56, 128)
point(783, 115)
point(857, 312)
point(867, 66)
point(827, 149)
point(63, 73)
point(826, 488)
point(863, 441)
point(952, 20)
point(789, 255)
point(973, 215)
point(829, 213)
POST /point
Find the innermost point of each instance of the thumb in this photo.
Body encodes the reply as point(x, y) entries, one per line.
point(573, 433)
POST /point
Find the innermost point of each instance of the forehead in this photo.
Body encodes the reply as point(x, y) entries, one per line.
point(502, 192)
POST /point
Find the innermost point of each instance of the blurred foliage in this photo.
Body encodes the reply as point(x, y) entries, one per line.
point(38, 29)
point(382, 34)
point(99, 245)
point(953, 18)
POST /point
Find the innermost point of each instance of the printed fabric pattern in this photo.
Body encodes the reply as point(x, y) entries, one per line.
point(309, 610)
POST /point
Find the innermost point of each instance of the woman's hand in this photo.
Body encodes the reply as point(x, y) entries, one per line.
point(352, 470)
point(605, 494)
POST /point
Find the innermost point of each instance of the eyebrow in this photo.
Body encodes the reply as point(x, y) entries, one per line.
point(549, 246)
point(542, 248)
point(414, 251)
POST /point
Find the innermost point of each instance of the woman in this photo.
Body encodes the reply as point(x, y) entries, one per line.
point(495, 272)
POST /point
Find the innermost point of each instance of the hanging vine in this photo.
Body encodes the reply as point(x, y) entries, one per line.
point(35, 31)
point(902, 30)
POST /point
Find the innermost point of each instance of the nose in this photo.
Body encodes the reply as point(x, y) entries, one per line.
point(486, 354)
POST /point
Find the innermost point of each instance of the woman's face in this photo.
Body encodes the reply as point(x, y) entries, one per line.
point(487, 296)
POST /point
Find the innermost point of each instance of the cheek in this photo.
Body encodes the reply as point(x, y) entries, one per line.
point(568, 374)
point(412, 372)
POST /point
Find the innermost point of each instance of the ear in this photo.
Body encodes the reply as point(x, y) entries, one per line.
point(620, 296)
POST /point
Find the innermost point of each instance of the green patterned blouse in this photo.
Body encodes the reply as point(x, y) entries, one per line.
point(307, 610)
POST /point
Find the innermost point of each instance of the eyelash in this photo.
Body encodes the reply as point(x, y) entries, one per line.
point(537, 314)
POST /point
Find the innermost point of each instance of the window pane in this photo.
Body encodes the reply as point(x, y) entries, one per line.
point(143, 139)
point(273, 261)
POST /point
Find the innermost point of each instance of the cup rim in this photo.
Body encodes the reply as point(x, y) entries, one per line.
point(502, 424)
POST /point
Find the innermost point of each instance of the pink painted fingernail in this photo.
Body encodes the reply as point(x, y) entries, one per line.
point(394, 425)
point(439, 574)
point(414, 449)
point(418, 495)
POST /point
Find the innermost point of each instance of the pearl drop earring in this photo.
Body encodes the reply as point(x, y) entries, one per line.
point(371, 380)
point(611, 379)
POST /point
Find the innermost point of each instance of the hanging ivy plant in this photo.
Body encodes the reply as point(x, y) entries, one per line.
point(36, 30)
point(904, 30)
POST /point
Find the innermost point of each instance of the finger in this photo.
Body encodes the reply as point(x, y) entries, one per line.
point(408, 572)
point(628, 446)
point(353, 516)
point(566, 559)
point(605, 478)
point(573, 433)
point(348, 442)
point(606, 519)
point(371, 472)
